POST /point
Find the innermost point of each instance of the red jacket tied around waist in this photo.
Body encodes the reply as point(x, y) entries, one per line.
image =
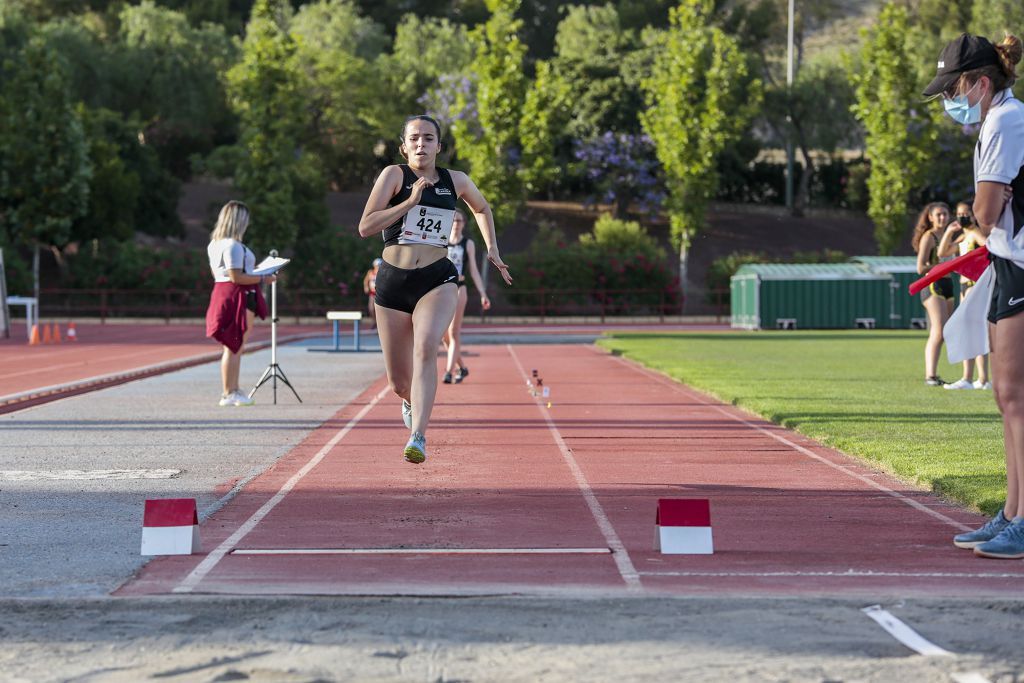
point(225, 318)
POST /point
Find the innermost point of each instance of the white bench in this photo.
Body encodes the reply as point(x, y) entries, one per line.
point(335, 317)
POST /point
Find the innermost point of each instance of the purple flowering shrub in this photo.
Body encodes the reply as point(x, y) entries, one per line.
point(622, 169)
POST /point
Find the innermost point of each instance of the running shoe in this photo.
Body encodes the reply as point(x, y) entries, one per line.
point(463, 374)
point(987, 532)
point(243, 400)
point(960, 384)
point(935, 381)
point(407, 414)
point(227, 400)
point(1008, 545)
point(416, 449)
point(447, 378)
point(983, 385)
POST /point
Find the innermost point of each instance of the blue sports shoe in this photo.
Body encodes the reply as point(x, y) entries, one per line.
point(416, 449)
point(1008, 545)
point(407, 414)
point(986, 533)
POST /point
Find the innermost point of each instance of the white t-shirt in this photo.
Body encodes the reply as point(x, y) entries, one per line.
point(229, 254)
point(999, 154)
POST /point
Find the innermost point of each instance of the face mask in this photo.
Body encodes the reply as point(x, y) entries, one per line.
point(960, 110)
point(965, 221)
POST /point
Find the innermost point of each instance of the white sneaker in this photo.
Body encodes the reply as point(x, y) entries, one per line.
point(980, 385)
point(960, 384)
point(242, 400)
point(228, 400)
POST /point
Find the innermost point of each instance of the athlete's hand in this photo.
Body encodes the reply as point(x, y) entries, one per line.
point(485, 302)
point(495, 259)
point(417, 190)
point(1007, 193)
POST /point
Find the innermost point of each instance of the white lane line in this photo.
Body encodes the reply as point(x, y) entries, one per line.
point(84, 475)
point(797, 447)
point(844, 574)
point(903, 633)
point(625, 566)
point(189, 583)
point(422, 551)
point(969, 677)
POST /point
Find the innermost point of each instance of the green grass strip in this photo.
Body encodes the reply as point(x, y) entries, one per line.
point(861, 392)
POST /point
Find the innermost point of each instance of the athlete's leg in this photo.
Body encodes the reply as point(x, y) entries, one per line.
point(981, 362)
point(1008, 383)
point(231, 363)
point(937, 316)
point(429, 320)
point(454, 332)
point(396, 340)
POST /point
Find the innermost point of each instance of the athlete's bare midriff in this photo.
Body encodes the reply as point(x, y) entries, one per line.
point(410, 256)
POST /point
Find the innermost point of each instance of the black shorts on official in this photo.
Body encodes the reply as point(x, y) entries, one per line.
point(402, 289)
point(1008, 291)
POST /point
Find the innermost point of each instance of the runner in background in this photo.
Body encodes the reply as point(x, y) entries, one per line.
point(933, 236)
point(970, 239)
point(370, 287)
point(413, 205)
point(462, 253)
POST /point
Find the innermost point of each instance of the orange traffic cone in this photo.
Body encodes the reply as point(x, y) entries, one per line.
point(56, 333)
point(47, 334)
point(33, 339)
point(72, 333)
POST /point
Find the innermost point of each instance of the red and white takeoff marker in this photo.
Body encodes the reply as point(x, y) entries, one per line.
point(683, 527)
point(170, 526)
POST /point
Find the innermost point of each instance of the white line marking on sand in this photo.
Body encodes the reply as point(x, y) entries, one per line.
point(845, 574)
point(970, 677)
point(189, 583)
point(622, 561)
point(692, 393)
point(84, 475)
point(903, 633)
point(422, 551)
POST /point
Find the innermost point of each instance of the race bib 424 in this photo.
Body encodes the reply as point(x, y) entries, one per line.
point(427, 225)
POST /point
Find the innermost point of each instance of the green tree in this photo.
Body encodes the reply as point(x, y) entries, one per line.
point(336, 50)
point(992, 18)
point(699, 101)
point(266, 89)
point(899, 135)
point(499, 85)
point(546, 113)
point(44, 162)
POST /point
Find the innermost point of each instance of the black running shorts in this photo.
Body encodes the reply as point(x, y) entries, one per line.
point(1008, 292)
point(401, 289)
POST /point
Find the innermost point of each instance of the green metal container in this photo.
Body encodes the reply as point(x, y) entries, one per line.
point(809, 296)
point(906, 311)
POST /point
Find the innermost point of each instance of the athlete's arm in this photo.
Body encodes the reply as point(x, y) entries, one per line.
point(470, 194)
point(988, 204)
point(474, 274)
point(923, 250)
point(378, 215)
point(947, 245)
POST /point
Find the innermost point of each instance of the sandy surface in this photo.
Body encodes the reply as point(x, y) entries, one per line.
point(496, 639)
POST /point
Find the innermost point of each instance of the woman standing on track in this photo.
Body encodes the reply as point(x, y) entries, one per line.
point(933, 237)
point(974, 77)
point(462, 253)
point(969, 240)
point(413, 205)
point(236, 299)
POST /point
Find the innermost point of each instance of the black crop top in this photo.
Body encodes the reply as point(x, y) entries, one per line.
point(440, 196)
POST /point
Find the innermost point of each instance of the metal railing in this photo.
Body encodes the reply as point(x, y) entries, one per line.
point(299, 303)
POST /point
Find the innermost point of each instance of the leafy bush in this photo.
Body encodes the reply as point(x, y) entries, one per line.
point(127, 265)
point(617, 255)
point(335, 260)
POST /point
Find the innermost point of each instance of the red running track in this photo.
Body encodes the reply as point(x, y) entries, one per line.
point(580, 479)
point(108, 354)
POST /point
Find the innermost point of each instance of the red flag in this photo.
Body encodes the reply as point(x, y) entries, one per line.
point(971, 265)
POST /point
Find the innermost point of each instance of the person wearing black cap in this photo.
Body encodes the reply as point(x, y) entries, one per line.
point(974, 79)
